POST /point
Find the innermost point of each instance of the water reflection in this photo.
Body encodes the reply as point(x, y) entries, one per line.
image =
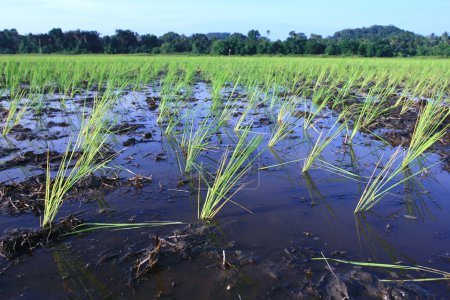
point(77, 280)
point(371, 239)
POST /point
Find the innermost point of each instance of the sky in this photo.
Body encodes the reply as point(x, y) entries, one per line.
point(202, 16)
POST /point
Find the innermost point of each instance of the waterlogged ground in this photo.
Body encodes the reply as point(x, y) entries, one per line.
point(294, 217)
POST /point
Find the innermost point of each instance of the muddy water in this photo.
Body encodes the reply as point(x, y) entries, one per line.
point(293, 217)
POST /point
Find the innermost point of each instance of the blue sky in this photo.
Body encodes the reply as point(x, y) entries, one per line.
point(187, 17)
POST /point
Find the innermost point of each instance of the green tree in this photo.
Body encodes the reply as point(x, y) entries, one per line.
point(148, 42)
point(200, 44)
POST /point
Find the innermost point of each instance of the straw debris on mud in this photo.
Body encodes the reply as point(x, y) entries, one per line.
point(19, 241)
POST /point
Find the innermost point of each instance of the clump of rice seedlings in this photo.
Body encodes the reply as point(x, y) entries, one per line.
point(173, 122)
point(91, 143)
point(225, 115)
point(15, 112)
point(323, 140)
point(429, 129)
point(169, 104)
point(318, 102)
point(380, 185)
point(12, 78)
point(413, 89)
point(366, 113)
point(442, 274)
point(196, 139)
point(37, 103)
point(68, 175)
point(168, 93)
point(274, 98)
point(230, 171)
point(286, 122)
point(343, 87)
point(254, 96)
point(216, 89)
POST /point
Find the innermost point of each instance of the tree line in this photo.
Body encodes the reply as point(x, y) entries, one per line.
point(374, 41)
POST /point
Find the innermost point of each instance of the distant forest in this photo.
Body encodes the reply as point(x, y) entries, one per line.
point(375, 41)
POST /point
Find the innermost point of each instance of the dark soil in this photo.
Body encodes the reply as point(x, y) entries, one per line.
point(19, 241)
point(49, 111)
point(357, 284)
point(28, 196)
point(125, 128)
point(193, 242)
point(20, 133)
point(58, 124)
point(151, 101)
point(30, 158)
point(6, 151)
point(22, 197)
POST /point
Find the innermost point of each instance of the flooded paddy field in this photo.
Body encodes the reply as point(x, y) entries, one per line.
point(137, 177)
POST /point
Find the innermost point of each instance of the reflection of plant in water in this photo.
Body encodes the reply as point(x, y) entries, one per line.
point(172, 143)
point(374, 240)
point(414, 192)
point(77, 279)
point(316, 196)
point(313, 191)
point(281, 162)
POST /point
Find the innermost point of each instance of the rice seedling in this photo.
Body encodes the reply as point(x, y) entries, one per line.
point(168, 93)
point(88, 227)
point(12, 78)
point(380, 185)
point(230, 171)
point(91, 142)
point(242, 122)
point(196, 139)
point(429, 129)
point(216, 90)
point(86, 164)
point(366, 112)
point(172, 123)
point(15, 112)
point(323, 140)
point(418, 268)
point(319, 100)
point(286, 122)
